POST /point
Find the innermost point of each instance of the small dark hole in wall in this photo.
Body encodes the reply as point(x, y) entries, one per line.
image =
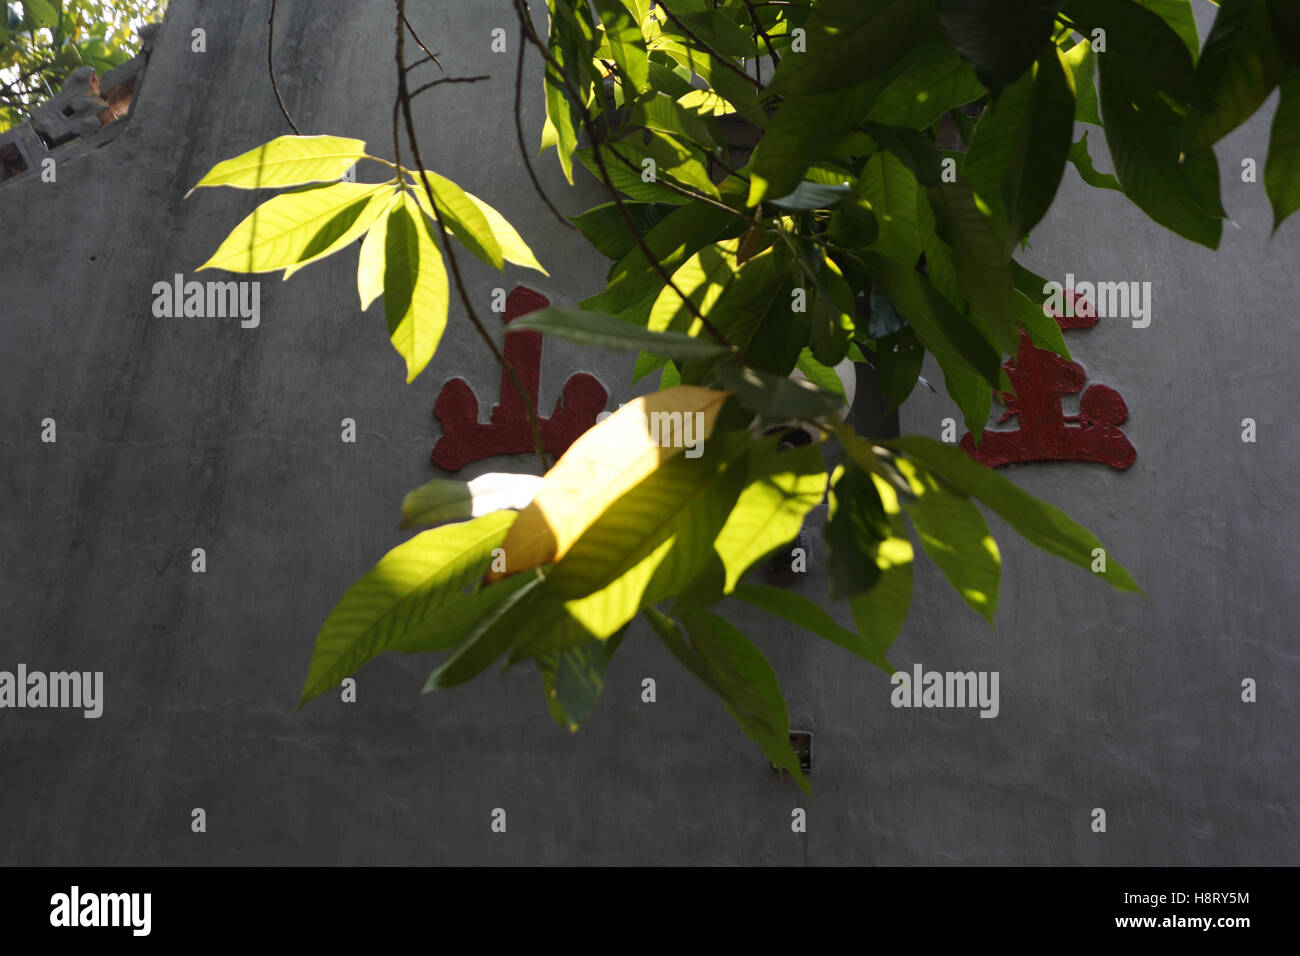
point(11, 161)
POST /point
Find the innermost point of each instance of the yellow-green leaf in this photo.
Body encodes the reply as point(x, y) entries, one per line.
point(601, 466)
point(703, 278)
point(369, 212)
point(462, 217)
point(292, 227)
point(781, 488)
point(287, 161)
point(373, 257)
point(403, 593)
point(415, 286)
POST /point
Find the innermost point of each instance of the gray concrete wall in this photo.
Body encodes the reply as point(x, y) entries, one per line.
point(183, 433)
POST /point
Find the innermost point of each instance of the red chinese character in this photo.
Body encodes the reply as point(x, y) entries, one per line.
point(1040, 379)
point(466, 439)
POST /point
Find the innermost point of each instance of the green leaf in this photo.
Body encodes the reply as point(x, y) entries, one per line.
point(938, 326)
point(807, 614)
point(803, 130)
point(573, 679)
point(759, 287)
point(293, 227)
point(492, 633)
point(1144, 132)
point(833, 313)
point(1082, 64)
point(1041, 524)
point(822, 376)
point(899, 358)
point(1286, 24)
point(998, 38)
point(605, 229)
point(677, 160)
point(287, 161)
point(781, 487)
point(894, 194)
point(513, 248)
point(623, 29)
point(373, 258)
point(462, 217)
point(1181, 19)
point(933, 81)
point(982, 261)
point(1140, 46)
point(607, 331)
point(682, 233)
point(1238, 69)
point(653, 540)
point(956, 537)
point(570, 51)
point(41, 13)
point(739, 94)
point(442, 500)
point(343, 230)
point(1021, 145)
point(776, 398)
point(879, 613)
point(1282, 170)
point(852, 40)
point(856, 526)
point(1082, 160)
point(749, 686)
point(605, 463)
point(662, 112)
point(714, 28)
point(416, 294)
point(408, 587)
point(702, 279)
point(444, 630)
point(808, 196)
point(629, 181)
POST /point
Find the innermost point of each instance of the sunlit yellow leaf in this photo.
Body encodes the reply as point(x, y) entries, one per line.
point(603, 464)
point(415, 286)
point(287, 161)
point(292, 227)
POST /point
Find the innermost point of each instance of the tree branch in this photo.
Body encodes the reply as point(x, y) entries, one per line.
point(447, 79)
point(270, 69)
point(404, 99)
point(695, 37)
point(527, 26)
point(519, 135)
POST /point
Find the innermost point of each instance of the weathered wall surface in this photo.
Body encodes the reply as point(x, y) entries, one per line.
point(183, 433)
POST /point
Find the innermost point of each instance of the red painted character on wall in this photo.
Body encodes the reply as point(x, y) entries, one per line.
point(1041, 379)
point(466, 439)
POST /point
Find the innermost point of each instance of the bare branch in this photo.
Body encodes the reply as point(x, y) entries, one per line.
point(404, 100)
point(695, 38)
point(428, 54)
point(597, 151)
point(448, 79)
point(519, 135)
point(270, 69)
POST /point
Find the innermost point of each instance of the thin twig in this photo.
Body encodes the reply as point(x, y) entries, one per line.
point(420, 62)
point(519, 135)
point(270, 68)
point(448, 79)
point(771, 50)
point(429, 54)
point(597, 152)
point(404, 98)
